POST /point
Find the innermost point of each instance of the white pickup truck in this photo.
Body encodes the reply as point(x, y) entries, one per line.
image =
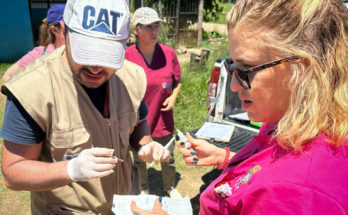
point(224, 107)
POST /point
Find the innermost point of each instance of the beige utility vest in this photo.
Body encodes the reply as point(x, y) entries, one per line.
point(57, 102)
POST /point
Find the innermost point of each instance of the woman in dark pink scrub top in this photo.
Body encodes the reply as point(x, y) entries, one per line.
point(163, 74)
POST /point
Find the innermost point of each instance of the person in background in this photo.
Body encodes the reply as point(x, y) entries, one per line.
point(163, 76)
point(289, 67)
point(72, 115)
point(51, 37)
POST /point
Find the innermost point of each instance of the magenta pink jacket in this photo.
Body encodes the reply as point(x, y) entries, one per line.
point(276, 181)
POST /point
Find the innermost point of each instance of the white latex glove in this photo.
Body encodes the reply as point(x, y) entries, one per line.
point(153, 151)
point(92, 163)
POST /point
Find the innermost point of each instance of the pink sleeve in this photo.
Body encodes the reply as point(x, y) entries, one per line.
point(30, 56)
point(176, 66)
point(287, 198)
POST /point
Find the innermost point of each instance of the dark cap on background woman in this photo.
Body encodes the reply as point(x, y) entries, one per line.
point(55, 14)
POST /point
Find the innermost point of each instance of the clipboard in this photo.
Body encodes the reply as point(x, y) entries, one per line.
point(216, 131)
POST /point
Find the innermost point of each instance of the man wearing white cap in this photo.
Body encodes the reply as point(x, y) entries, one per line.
point(72, 115)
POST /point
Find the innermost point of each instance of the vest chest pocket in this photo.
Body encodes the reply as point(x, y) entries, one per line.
point(67, 144)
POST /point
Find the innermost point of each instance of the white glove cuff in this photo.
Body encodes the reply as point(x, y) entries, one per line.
point(70, 169)
point(144, 145)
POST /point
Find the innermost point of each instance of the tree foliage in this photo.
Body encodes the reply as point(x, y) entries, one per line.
point(211, 7)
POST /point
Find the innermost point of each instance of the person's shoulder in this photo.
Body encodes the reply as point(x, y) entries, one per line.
point(39, 68)
point(50, 48)
point(166, 48)
point(130, 70)
point(39, 49)
point(307, 163)
point(44, 60)
point(324, 152)
point(129, 65)
point(133, 77)
point(131, 48)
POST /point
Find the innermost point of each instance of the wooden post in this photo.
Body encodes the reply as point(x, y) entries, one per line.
point(200, 22)
point(160, 13)
point(177, 24)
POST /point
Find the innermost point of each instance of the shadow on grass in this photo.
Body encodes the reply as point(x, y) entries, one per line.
point(207, 179)
point(156, 182)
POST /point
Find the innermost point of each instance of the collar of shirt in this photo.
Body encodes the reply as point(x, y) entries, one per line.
point(259, 143)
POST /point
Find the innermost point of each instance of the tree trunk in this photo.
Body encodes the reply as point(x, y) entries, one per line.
point(160, 9)
point(200, 22)
point(177, 24)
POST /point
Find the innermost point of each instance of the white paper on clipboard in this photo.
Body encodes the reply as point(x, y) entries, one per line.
point(240, 116)
point(173, 206)
point(217, 131)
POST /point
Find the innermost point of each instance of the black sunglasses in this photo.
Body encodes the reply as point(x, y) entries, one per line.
point(242, 75)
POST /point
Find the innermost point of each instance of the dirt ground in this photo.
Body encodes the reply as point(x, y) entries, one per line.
point(209, 27)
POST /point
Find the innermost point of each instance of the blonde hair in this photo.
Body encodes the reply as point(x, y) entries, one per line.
point(316, 31)
point(46, 36)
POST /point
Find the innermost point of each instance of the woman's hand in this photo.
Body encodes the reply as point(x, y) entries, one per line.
point(157, 209)
point(201, 153)
point(168, 104)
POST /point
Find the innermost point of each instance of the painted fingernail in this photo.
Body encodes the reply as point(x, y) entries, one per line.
point(195, 159)
point(193, 153)
point(182, 143)
point(160, 199)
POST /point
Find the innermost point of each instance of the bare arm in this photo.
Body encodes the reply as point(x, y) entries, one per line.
point(10, 71)
point(22, 170)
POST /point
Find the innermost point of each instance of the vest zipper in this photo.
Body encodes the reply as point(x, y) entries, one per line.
point(107, 115)
point(109, 125)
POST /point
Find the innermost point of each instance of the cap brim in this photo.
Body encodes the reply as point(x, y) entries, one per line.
point(148, 22)
point(92, 51)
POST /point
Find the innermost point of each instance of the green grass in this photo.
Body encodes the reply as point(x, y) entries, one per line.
point(190, 108)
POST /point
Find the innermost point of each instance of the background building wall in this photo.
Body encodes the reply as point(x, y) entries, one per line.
point(16, 37)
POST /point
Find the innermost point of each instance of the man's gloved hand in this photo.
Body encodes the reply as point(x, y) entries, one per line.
point(153, 151)
point(92, 163)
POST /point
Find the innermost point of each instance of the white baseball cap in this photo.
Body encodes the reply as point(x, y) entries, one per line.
point(98, 31)
point(145, 16)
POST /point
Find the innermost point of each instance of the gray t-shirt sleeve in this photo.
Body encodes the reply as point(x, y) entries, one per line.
point(18, 126)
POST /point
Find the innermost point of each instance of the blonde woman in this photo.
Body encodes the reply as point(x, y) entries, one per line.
point(289, 67)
